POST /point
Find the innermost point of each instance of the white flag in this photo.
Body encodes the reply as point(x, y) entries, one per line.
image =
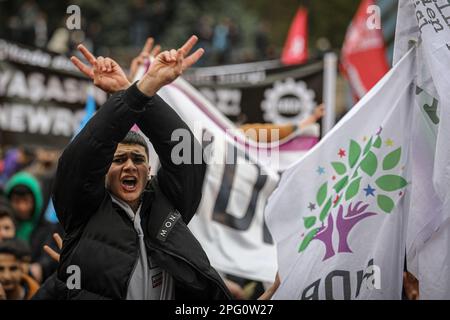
point(427, 22)
point(339, 215)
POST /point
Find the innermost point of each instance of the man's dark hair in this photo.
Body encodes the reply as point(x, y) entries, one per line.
point(17, 248)
point(133, 137)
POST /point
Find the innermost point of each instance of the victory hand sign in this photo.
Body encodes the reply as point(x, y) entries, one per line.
point(167, 66)
point(105, 72)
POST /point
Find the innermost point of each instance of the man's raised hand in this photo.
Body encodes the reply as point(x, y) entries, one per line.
point(168, 65)
point(105, 72)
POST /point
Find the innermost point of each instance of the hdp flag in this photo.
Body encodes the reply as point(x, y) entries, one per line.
point(339, 215)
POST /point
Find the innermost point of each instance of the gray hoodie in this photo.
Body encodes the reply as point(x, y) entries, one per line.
point(148, 281)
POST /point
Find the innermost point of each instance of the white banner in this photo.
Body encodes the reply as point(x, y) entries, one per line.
point(428, 257)
point(339, 215)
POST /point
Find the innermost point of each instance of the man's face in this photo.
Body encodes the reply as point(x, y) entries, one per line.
point(7, 228)
point(128, 174)
point(10, 272)
point(23, 205)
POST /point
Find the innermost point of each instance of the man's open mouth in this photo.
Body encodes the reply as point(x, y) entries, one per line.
point(129, 183)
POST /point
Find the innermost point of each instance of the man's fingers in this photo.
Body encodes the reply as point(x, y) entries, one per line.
point(180, 60)
point(193, 58)
point(166, 56)
point(108, 64)
point(156, 50)
point(101, 64)
point(174, 54)
point(52, 253)
point(87, 54)
point(148, 46)
point(58, 240)
point(187, 47)
point(82, 67)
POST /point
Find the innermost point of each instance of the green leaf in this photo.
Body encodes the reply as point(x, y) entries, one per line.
point(322, 194)
point(307, 239)
point(309, 221)
point(325, 210)
point(352, 189)
point(368, 146)
point(369, 164)
point(339, 167)
point(385, 203)
point(391, 182)
point(377, 143)
point(355, 152)
point(392, 159)
point(341, 184)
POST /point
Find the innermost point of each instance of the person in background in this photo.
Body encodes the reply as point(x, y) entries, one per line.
point(44, 170)
point(7, 220)
point(254, 130)
point(24, 193)
point(15, 284)
point(14, 161)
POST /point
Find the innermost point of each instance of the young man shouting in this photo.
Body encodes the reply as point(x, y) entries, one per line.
point(126, 236)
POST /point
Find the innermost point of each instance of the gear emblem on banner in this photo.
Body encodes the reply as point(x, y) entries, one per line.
point(288, 101)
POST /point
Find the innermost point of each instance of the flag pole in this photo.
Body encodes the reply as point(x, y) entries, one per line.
point(329, 92)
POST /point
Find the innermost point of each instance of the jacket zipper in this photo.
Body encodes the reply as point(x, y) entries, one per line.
point(193, 266)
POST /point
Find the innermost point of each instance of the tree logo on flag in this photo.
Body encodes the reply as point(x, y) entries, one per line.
point(384, 185)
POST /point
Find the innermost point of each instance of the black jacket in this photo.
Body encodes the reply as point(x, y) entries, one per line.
point(100, 238)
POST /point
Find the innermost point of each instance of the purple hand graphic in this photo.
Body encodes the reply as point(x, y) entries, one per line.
point(325, 234)
point(345, 224)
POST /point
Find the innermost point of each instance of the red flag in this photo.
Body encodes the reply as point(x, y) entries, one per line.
point(363, 54)
point(295, 49)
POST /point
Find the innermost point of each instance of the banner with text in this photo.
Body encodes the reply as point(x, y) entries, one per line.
point(42, 97)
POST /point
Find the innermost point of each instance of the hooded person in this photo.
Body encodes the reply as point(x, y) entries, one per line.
point(25, 196)
point(24, 193)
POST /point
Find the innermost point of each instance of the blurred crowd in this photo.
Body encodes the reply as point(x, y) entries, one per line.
point(30, 24)
point(27, 220)
point(221, 38)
